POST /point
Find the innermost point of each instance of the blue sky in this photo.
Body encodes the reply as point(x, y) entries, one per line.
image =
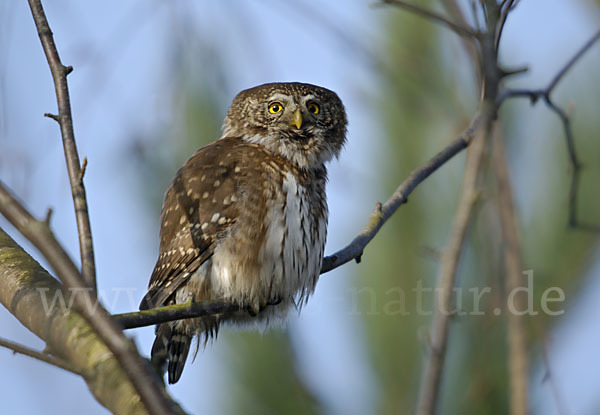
point(120, 91)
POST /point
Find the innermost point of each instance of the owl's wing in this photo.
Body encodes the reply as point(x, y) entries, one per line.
point(200, 206)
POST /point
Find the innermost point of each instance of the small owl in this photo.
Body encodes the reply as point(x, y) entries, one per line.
point(245, 218)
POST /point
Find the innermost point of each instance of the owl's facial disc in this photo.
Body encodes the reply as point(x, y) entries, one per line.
point(303, 123)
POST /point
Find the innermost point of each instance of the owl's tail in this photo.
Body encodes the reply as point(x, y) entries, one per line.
point(170, 351)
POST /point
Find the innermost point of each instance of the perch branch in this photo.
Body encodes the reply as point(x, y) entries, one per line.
point(434, 17)
point(383, 212)
point(534, 95)
point(54, 361)
point(65, 120)
point(173, 312)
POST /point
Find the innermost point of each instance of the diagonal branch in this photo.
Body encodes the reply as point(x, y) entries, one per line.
point(138, 370)
point(28, 292)
point(434, 17)
point(37, 232)
point(59, 74)
point(573, 60)
point(383, 212)
point(54, 361)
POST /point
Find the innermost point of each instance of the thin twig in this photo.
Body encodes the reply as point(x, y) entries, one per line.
point(382, 213)
point(575, 165)
point(434, 17)
point(505, 9)
point(440, 325)
point(65, 120)
point(54, 361)
point(535, 94)
point(455, 11)
point(573, 60)
point(517, 338)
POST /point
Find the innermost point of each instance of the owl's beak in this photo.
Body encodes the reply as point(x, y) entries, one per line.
point(297, 119)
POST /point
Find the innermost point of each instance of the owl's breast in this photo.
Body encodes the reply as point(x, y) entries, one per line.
point(277, 250)
point(305, 232)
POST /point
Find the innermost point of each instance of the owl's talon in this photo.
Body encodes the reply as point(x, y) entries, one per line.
point(252, 311)
point(275, 301)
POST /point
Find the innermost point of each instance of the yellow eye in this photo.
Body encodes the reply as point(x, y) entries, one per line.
point(314, 108)
point(275, 107)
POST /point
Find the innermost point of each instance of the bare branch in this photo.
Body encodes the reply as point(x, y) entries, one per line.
point(59, 74)
point(517, 338)
point(434, 17)
point(505, 8)
point(138, 370)
point(440, 325)
point(575, 165)
point(382, 213)
point(54, 361)
point(173, 312)
point(572, 61)
point(535, 94)
point(37, 232)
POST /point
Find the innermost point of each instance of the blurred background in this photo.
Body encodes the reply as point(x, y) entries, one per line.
point(152, 81)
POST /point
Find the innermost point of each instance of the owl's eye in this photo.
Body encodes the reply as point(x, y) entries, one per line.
point(314, 108)
point(275, 107)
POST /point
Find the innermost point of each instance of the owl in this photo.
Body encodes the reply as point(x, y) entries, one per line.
point(245, 218)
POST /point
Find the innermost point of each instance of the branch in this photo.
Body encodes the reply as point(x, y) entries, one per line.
point(434, 17)
point(517, 338)
point(432, 373)
point(37, 232)
point(54, 361)
point(139, 371)
point(505, 8)
point(28, 292)
point(59, 74)
point(440, 325)
point(173, 312)
point(534, 95)
point(383, 212)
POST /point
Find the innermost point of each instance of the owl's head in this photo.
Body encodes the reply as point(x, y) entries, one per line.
point(303, 123)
